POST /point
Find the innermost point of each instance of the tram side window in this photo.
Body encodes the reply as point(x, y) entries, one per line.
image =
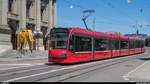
point(143, 43)
point(101, 44)
point(134, 43)
point(124, 44)
point(71, 44)
point(137, 44)
point(131, 44)
point(116, 44)
point(82, 43)
point(140, 44)
point(112, 44)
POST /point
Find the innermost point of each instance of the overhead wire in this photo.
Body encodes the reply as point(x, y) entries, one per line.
point(119, 11)
point(114, 23)
point(129, 25)
point(112, 6)
point(81, 7)
point(77, 5)
point(110, 19)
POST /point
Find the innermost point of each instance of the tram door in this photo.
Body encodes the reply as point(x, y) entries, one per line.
point(81, 47)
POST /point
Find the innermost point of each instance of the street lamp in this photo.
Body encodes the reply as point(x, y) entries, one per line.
point(129, 1)
point(71, 6)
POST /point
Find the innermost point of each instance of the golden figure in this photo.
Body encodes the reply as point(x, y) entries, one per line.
point(23, 37)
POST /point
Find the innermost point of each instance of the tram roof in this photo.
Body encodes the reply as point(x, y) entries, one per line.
point(136, 38)
point(88, 32)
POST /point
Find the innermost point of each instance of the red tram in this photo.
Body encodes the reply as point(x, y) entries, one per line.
point(71, 45)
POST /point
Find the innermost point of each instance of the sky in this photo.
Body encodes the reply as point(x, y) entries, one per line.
point(110, 15)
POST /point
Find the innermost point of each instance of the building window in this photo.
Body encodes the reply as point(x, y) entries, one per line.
point(10, 3)
point(29, 3)
point(44, 4)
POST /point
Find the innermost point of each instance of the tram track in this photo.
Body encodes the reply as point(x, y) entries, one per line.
point(22, 70)
point(82, 71)
point(64, 70)
point(26, 69)
point(89, 69)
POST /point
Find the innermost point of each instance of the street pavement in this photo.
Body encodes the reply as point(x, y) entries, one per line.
point(133, 70)
point(7, 54)
point(136, 70)
point(4, 48)
point(13, 59)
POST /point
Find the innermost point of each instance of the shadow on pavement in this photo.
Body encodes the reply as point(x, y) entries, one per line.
point(145, 59)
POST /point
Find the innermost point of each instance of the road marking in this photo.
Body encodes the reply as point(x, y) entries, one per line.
point(19, 78)
point(136, 68)
point(20, 65)
point(15, 64)
point(11, 80)
point(125, 77)
point(14, 68)
point(132, 81)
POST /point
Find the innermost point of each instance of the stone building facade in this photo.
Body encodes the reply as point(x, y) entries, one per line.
point(15, 15)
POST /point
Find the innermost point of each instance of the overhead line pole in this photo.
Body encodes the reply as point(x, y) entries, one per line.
point(136, 27)
point(93, 38)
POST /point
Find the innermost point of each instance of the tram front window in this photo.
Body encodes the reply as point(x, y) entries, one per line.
point(59, 39)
